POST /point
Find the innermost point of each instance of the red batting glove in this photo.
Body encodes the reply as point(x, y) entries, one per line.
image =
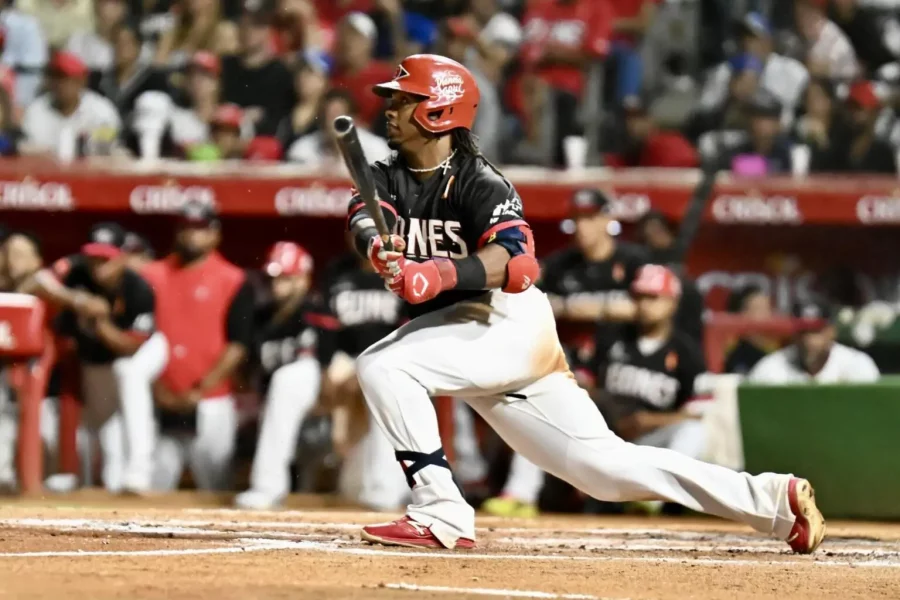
point(422, 282)
point(388, 263)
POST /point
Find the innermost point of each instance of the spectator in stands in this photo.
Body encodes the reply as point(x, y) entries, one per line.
point(95, 47)
point(24, 51)
point(297, 26)
point(205, 310)
point(9, 132)
point(190, 125)
point(60, 20)
point(875, 40)
point(355, 69)
point(109, 311)
point(130, 75)
point(822, 125)
point(310, 84)
point(495, 37)
point(563, 38)
point(256, 80)
point(320, 149)
point(752, 303)
point(69, 114)
point(863, 151)
point(815, 356)
point(830, 53)
point(225, 140)
point(198, 26)
point(764, 148)
point(633, 19)
point(645, 145)
point(757, 63)
point(455, 42)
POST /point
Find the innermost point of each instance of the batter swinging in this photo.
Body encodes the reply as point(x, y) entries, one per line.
point(464, 259)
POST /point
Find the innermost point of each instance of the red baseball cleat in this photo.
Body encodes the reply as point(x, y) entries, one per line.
point(809, 528)
point(409, 534)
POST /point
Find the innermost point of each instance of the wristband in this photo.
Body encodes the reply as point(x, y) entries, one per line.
point(470, 273)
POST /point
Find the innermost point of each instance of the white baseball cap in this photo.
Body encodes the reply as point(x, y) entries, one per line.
point(362, 23)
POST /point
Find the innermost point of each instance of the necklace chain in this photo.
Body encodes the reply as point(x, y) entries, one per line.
point(444, 164)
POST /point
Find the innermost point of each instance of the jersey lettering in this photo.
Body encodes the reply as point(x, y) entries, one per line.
point(276, 353)
point(433, 238)
point(353, 307)
point(658, 389)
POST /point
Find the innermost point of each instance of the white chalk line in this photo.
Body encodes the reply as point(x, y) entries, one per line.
point(251, 545)
point(344, 547)
point(492, 592)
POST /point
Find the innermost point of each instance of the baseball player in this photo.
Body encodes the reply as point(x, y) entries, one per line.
point(815, 356)
point(109, 310)
point(366, 312)
point(286, 351)
point(463, 258)
point(647, 375)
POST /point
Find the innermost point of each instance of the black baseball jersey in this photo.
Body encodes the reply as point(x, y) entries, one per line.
point(452, 214)
point(645, 374)
point(282, 339)
point(132, 306)
point(569, 274)
point(363, 309)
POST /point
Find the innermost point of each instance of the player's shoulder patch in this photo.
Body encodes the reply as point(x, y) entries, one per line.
point(688, 349)
point(68, 265)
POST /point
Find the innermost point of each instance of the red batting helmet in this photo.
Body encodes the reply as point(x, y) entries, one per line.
point(449, 92)
point(288, 258)
point(656, 280)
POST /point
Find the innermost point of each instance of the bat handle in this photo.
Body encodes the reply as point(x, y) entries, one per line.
point(386, 242)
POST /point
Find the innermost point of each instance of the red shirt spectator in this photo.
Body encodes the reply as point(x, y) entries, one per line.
point(647, 146)
point(355, 70)
point(562, 35)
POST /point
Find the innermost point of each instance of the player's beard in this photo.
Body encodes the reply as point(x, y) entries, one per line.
point(187, 254)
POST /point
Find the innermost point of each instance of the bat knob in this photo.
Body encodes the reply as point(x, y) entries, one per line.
point(342, 125)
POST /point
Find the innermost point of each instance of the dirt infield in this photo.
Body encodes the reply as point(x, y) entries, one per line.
point(184, 546)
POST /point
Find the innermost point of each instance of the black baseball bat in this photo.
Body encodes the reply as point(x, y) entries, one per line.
point(690, 221)
point(361, 173)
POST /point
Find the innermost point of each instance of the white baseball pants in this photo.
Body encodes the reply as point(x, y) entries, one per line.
point(292, 394)
point(502, 355)
point(208, 452)
point(135, 375)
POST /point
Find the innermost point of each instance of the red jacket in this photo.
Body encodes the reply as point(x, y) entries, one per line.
point(192, 306)
point(663, 149)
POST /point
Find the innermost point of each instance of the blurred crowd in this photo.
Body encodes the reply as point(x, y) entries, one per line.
point(190, 368)
point(755, 86)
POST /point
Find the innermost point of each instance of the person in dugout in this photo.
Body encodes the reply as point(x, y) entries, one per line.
point(108, 310)
point(286, 346)
point(587, 282)
point(204, 308)
point(366, 312)
point(645, 375)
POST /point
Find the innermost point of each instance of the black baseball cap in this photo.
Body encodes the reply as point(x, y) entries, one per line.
point(105, 241)
point(814, 314)
point(135, 243)
point(588, 202)
point(199, 214)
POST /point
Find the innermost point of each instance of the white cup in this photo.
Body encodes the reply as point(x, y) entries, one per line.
point(801, 156)
point(151, 143)
point(68, 144)
point(575, 149)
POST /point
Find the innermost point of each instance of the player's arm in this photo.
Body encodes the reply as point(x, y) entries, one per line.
point(55, 285)
point(239, 335)
point(360, 223)
point(140, 306)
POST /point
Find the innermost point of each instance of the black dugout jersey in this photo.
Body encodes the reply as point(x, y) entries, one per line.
point(569, 274)
point(661, 380)
point(132, 306)
point(363, 309)
point(452, 214)
point(282, 340)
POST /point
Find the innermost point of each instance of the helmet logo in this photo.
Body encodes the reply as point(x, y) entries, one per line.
point(447, 86)
point(400, 73)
